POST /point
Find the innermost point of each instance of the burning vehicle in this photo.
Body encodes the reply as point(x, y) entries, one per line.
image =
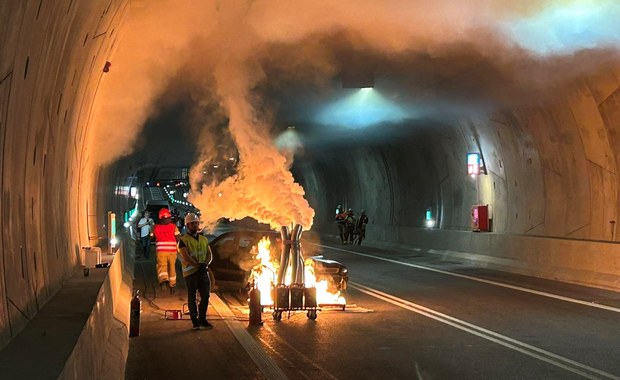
point(243, 257)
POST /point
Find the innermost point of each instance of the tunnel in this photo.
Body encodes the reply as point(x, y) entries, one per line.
point(373, 113)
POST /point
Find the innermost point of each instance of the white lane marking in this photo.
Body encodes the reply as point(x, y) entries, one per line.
point(535, 352)
point(537, 292)
point(267, 366)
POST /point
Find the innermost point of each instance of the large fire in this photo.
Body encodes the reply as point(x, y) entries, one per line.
point(264, 277)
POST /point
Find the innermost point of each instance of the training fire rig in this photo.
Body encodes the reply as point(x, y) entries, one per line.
point(288, 297)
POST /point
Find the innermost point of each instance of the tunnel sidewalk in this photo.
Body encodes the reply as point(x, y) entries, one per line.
point(42, 349)
point(169, 348)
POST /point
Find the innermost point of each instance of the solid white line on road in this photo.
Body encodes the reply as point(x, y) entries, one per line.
point(496, 283)
point(535, 352)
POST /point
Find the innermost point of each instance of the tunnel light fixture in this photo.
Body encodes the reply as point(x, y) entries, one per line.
point(429, 222)
point(475, 165)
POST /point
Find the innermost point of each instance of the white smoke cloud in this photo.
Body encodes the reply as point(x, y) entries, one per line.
point(231, 49)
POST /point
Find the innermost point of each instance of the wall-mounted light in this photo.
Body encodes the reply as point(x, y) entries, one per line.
point(475, 165)
point(429, 222)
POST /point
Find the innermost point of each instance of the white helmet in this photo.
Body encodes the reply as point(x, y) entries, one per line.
point(191, 217)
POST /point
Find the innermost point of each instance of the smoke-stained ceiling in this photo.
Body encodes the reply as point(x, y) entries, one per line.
point(252, 82)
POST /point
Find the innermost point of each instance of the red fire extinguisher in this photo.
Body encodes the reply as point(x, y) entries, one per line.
point(134, 314)
point(255, 307)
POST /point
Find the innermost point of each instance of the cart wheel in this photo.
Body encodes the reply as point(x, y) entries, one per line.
point(277, 315)
point(311, 314)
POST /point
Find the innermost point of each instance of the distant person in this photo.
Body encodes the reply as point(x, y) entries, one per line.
point(166, 237)
point(360, 226)
point(196, 256)
point(341, 217)
point(349, 226)
point(145, 225)
point(181, 224)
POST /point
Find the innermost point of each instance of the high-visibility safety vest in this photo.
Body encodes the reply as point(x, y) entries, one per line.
point(198, 249)
point(165, 241)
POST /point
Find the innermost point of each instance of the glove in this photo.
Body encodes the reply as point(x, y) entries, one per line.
point(202, 267)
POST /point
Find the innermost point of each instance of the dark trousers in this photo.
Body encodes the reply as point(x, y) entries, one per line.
point(348, 236)
point(342, 232)
point(200, 282)
point(146, 244)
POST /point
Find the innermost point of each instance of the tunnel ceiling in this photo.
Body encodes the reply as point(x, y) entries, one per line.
point(252, 88)
point(412, 88)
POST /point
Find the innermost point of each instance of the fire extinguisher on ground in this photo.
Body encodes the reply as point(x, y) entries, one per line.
point(255, 307)
point(134, 314)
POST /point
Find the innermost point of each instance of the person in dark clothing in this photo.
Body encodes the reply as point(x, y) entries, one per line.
point(145, 226)
point(196, 256)
point(360, 227)
point(349, 226)
point(341, 217)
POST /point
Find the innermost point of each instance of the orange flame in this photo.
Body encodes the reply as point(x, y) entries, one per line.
point(264, 277)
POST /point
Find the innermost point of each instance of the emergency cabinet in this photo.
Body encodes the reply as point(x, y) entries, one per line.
point(480, 218)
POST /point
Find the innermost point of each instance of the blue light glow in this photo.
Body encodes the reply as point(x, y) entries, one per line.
point(364, 107)
point(580, 24)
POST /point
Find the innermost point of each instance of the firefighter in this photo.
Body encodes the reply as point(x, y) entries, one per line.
point(360, 226)
point(196, 256)
point(341, 216)
point(349, 225)
point(166, 237)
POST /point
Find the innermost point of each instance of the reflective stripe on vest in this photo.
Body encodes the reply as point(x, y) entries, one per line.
point(166, 246)
point(198, 249)
point(164, 238)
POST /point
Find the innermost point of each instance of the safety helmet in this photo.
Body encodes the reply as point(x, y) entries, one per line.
point(164, 213)
point(191, 217)
point(350, 211)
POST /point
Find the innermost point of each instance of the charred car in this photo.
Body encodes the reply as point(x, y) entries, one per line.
point(234, 258)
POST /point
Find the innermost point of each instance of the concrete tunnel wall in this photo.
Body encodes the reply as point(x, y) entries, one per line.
point(551, 168)
point(551, 183)
point(51, 64)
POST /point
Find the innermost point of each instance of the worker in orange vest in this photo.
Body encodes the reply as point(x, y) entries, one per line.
point(166, 236)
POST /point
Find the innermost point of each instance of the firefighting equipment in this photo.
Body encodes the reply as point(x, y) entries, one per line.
point(173, 314)
point(255, 307)
point(134, 314)
point(191, 217)
point(164, 213)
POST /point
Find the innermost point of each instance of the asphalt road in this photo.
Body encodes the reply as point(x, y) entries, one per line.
point(418, 317)
point(413, 316)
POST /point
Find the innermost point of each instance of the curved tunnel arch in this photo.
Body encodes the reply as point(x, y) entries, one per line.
point(551, 167)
